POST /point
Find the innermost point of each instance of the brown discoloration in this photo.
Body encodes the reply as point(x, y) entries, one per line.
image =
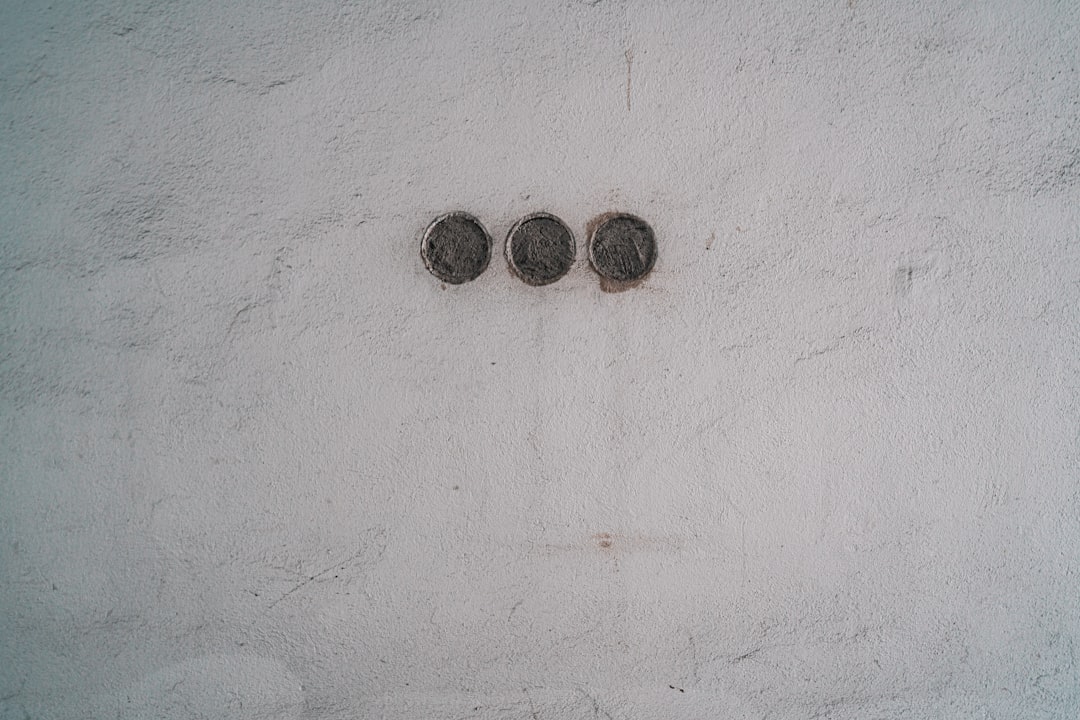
point(590, 227)
point(604, 540)
point(609, 284)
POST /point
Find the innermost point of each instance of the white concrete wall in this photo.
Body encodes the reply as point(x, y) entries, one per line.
point(255, 462)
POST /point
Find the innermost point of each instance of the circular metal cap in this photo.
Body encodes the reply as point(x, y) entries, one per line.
point(540, 249)
point(456, 248)
point(623, 248)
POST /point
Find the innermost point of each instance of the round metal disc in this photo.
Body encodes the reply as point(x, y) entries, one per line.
point(456, 248)
point(623, 248)
point(540, 249)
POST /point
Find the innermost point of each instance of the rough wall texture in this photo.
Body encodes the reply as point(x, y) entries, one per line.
point(255, 462)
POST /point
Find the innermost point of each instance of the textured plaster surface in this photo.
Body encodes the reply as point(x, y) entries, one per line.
point(256, 462)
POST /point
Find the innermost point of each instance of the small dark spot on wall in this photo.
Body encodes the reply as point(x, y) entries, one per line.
point(622, 250)
point(908, 275)
point(904, 279)
point(456, 248)
point(540, 249)
point(604, 540)
point(675, 688)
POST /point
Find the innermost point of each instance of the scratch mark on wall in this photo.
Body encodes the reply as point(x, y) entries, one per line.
point(742, 541)
point(598, 711)
point(748, 655)
point(629, 65)
point(610, 543)
point(695, 659)
point(835, 345)
point(16, 693)
point(532, 706)
point(333, 568)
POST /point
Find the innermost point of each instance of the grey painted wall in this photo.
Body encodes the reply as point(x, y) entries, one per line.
point(256, 462)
